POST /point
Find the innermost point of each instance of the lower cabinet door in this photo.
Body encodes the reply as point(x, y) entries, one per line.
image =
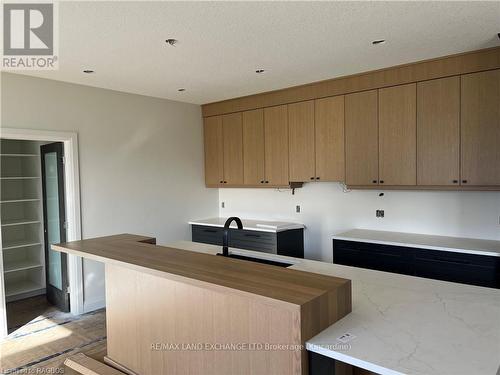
point(457, 267)
point(374, 257)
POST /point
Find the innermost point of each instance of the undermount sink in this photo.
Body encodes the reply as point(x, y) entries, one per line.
point(259, 260)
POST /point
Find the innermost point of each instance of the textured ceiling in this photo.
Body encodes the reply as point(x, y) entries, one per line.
point(221, 44)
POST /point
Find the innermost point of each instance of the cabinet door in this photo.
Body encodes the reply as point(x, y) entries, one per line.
point(398, 135)
point(480, 129)
point(438, 132)
point(253, 147)
point(233, 149)
point(329, 128)
point(276, 145)
point(361, 138)
point(301, 141)
point(212, 132)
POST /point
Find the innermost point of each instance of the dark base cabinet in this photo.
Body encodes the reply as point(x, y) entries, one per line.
point(320, 364)
point(288, 242)
point(482, 270)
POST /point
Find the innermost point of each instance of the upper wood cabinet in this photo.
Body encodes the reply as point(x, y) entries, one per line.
point(438, 132)
point(276, 145)
point(212, 132)
point(232, 130)
point(442, 132)
point(329, 136)
point(397, 135)
point(253, 147)
point(301, 141)
point(480, 129)
point(361, 138)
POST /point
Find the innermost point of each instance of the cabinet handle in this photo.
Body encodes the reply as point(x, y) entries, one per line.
point(374, 181)
point(252, 235)
point(317, 178)
point(225, 182)
point(312, 178)
point(209, 230)
point(455, 181)
point(464, 181)
point(221, 182)
point(381, 181)
point(267, 182)
point(262, 181)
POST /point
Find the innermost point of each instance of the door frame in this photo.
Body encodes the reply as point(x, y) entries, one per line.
point(73, 214)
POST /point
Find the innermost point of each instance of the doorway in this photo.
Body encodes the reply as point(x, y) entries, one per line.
point(39, 207)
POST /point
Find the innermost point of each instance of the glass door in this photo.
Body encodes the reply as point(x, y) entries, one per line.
point(54, 217)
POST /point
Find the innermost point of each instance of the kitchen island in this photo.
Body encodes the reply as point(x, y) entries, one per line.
point(404, 324)
point(175, 311)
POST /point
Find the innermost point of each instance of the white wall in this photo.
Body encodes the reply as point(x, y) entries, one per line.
point(326, 210)
point(141, 159)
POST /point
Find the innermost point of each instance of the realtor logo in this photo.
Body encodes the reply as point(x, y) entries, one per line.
point(28, 36)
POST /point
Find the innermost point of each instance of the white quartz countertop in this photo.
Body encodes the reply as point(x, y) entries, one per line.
point(423, 241)
point(404, 324)
point(258, 225)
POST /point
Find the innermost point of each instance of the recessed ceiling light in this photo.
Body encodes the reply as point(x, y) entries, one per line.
point(171, 42)
point(181, 90)
point(259, 71)
point(378, 41)
point(88, 71)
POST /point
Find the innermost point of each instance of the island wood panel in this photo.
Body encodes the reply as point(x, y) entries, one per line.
point(361, 138)
point(214, 154)
point(329, 128)
point(480, 129)
point(397, 135)
point(276, 145)
point(438, 132)
point(232, 130)
point(150, 335)
point(453, 65)
point(301, 141)
point(253, 147)
point(184, 314)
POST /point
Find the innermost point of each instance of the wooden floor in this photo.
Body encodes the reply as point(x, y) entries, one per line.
point(41, 337)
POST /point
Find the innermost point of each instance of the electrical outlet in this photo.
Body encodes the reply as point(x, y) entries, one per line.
point(297, 209)
point(379, 213)
point(222, 205)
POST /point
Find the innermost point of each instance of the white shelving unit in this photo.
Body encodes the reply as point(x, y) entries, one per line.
point(21, 219)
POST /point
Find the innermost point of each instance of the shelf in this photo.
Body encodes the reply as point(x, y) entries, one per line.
point(20, 178)
point(19, 155)
point(19, 244)
point(21, 265)
point(20, 200)
point(10, 223)
point(23, 286)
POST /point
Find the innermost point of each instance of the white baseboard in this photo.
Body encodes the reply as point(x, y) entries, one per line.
point(89, 306)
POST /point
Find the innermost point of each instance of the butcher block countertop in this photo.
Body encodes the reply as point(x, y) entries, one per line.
point(141, 253)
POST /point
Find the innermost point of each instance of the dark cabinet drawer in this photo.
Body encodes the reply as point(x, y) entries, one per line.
point(458, 267)
point(253, 236)
point(206, 234)
point(380, 258)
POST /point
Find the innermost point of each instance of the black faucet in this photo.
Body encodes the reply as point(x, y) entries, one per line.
point(225, 238)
